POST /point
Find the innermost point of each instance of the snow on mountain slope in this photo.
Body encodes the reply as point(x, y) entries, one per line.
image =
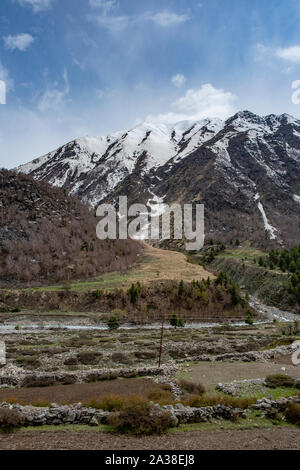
point(221, 163)
point(115, 156)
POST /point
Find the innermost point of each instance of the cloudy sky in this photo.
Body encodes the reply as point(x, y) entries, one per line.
point(78, 67)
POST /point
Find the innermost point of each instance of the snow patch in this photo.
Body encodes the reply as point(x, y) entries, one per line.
point(296, 198)
point(268, 227)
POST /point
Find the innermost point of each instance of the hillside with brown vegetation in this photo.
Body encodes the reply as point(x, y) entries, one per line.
point(48, 236)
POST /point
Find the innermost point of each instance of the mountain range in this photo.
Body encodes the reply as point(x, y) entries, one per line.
point(245, 170)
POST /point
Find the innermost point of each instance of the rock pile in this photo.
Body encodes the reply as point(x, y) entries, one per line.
point(237, 387)
point(264, 404)
point(188, 414)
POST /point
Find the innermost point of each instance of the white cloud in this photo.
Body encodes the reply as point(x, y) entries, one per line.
point(167, 18)
point(207, 101)
point(114, 24)
point(4, 76)
point(19, 41)
point(292, 54)
point(53, 97)
point(36, 5)
point(117, 23)
point(178, 80)
point(106, 5)
point(4, 83)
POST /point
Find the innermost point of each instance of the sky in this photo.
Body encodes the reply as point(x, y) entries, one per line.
point(91, 67)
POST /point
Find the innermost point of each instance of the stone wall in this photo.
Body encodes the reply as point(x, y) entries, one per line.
point(250, 356)
point(77, 414)
point(29, 379)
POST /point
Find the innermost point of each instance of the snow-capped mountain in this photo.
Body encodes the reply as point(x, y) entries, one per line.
point(93, 166)
point(246, 170)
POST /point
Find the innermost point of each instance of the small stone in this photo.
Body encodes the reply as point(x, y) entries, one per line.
point(94, 421)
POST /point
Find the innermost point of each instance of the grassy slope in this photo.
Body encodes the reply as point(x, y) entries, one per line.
point(154, 265)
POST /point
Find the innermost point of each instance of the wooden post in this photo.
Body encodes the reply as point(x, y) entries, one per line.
point(161, 343)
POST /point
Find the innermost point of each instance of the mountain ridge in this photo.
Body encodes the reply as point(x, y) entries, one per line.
point(246, 167)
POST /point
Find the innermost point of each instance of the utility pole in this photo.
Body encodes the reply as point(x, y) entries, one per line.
point(161, 343)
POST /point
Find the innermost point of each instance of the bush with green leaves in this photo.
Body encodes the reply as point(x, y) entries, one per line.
point(279, 380)
point(249, 318)
point(134, 292)
point(180, 288)
point(113, 323)
point(176, 321)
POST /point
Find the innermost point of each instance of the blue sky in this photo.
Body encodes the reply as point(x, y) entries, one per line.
point(77, 67)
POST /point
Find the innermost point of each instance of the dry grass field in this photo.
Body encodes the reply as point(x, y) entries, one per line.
point(153, 264)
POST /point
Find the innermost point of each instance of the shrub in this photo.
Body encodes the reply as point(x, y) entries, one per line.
point(36, 381)
point(28, 361)
point(141, 418)
point(177, 321)
point(40, 404)
point(110, 402)
point(213, 400)
point(145, 354)
point(88, 358)
point(279, 380)
point(98, 294)
point(113, 323)
point(121, 357)
point(180, 288)
point(173, 320)
point(161, 396)
point(71, 361)
point(16, 309)
point(10, 420)
point(249, 318)
point(68, 380)
point(134, 292)
point(191, 387)
point(292, 413)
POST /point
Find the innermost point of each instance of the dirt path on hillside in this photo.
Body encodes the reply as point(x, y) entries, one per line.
point(157, 264)
point(254, 439)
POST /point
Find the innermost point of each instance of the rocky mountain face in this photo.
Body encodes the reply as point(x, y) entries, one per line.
point(245, 170)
